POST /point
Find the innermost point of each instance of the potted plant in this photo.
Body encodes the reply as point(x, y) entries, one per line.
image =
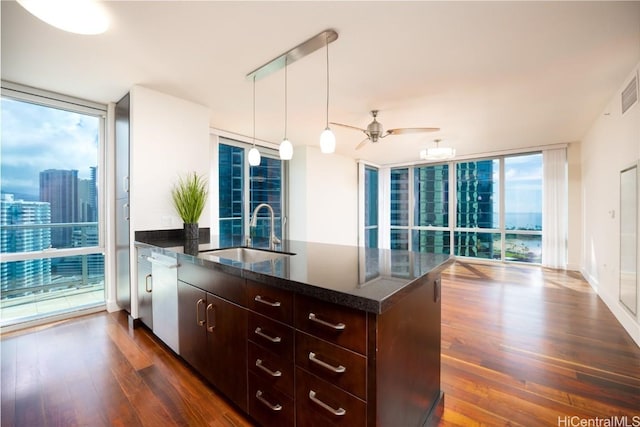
point(189, 197)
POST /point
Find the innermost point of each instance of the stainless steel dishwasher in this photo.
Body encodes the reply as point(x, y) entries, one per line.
point(164, 270)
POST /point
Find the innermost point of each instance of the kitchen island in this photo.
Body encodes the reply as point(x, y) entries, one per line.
point(316, 334)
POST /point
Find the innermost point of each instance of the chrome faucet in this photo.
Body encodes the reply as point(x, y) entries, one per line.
point(273, 240)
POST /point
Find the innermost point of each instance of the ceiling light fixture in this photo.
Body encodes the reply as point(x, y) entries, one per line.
point(327, 137)
point(254, 154)
point(75, 16)
point(286, 148)
point(437, 152)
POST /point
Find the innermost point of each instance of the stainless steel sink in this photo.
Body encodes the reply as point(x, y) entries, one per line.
point(247, 255)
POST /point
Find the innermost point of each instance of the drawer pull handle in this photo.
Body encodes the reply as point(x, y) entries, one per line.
point(259, 298)
point(275, 408)
point(211, 323)
point(336, 326)
point(259, 332)
point(198, 321)
point(337, 369)
point(267, 370)
point(339, 412)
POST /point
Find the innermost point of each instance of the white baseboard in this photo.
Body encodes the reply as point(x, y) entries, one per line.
point(628, 322)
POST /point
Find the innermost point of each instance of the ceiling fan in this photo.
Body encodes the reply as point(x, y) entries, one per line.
point(374, 130)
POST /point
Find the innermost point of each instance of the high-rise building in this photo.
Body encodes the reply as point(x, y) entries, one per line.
point(474, 190)
point(60, 189)
point(19, 233)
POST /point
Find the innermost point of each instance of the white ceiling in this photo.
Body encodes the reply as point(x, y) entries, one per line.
point(491, 75)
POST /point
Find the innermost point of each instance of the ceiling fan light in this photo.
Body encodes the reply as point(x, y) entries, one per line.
point(74, 16)
point(327, 141)
point(254, 157)
point(286, 150)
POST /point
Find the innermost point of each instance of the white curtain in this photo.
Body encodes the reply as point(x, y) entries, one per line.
point(554, 208)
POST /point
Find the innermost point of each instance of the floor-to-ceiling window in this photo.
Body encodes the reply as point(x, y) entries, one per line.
point(496, 205)
point(430, 231)
point(51, 234)
point(371, 223)
point(478, 212)
point(243, 187)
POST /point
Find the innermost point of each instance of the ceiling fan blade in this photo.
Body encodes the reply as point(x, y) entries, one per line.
point(361, 144)
point(400, 131)
point(348, 126)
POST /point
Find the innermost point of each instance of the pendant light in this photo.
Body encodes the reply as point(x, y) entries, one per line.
point(286, 148)
point(327, 138)
point(437, 152)
point(254, 154)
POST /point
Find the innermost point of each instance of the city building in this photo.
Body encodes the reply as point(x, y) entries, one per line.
point(19, 232)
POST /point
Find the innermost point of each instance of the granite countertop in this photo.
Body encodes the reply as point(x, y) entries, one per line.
point(363, 278)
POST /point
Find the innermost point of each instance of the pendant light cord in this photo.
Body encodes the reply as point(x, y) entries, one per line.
point(285, 97)
point(254, 111)
point(327, 44)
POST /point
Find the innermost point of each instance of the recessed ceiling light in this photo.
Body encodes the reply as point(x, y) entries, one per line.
point(74, 16)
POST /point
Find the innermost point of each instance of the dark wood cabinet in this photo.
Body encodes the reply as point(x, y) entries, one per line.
point(192, 303)
point(291, 360)
point(213, 340)
point(271, 355)
point(226, 325)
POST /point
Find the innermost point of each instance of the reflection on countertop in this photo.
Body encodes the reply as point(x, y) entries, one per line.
point(369, 279)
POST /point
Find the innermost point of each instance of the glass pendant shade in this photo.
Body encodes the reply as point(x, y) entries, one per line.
point(438, 153)
point(254, 157)
point(327, 141)
point(286, 149)
point(74, 16)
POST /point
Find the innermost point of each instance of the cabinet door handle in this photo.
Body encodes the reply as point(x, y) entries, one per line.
point(275, 408)
point(198, 321)
point(337, 369)
point(259, 332)
point(267, 370)
point(259, 298)
point(335, 326)
point(146, 283)
point(211, 324)
point(339, 412)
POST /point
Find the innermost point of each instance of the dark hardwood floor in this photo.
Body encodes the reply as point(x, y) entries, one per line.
point(520, 346)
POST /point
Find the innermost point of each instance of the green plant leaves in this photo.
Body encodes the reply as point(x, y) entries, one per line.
point(189, 197)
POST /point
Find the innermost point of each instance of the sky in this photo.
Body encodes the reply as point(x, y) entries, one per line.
point(36, 138)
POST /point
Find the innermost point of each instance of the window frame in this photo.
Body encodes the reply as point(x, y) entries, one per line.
point(452, 228)
point(45, 98)
point(238, 141)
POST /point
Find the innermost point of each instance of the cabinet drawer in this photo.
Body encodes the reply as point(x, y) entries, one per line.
point(344, 368)
point(268, 406)
point(344, 326)
point(272, 302)
point(224, 285)
point(275, 371)
point(274, 336)
point(319, 403)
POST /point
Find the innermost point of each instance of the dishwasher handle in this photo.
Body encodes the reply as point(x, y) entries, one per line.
point(157, 261)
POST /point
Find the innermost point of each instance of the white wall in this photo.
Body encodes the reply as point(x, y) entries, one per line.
point(323, 202)
point(574, 204)
point(169, 138)
point(612, 144)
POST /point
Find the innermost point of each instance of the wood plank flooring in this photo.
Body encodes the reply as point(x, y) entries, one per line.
point(521, 346)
